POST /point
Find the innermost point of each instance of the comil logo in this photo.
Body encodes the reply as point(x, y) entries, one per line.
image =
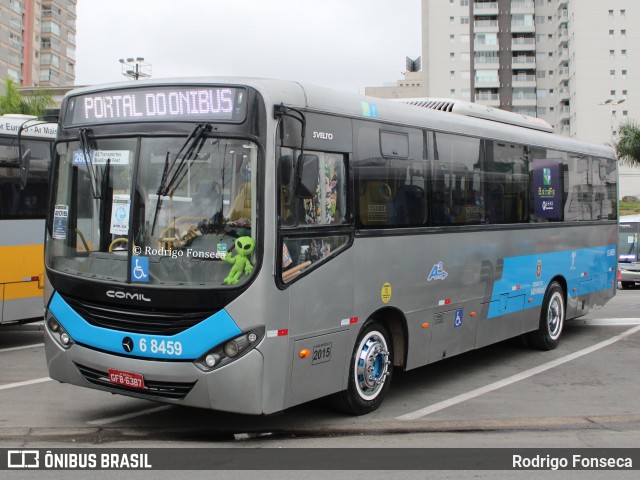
point(23, 459)
point(127, 296)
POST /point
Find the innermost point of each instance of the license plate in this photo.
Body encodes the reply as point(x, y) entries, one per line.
point(127, 379)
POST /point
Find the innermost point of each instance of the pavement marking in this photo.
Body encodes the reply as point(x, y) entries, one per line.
point(24, 347)
point(599, 322)
point(25, 383)
point(515, 378)
point(127, 416)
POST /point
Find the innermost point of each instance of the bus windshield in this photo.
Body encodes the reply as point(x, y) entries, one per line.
point(628, 243)
point(158, 210)
point(30, 202)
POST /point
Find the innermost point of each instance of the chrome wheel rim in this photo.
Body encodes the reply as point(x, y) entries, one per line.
point(555, 315)
point(371, 365)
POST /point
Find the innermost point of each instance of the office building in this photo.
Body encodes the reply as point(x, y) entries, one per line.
point(38, 42)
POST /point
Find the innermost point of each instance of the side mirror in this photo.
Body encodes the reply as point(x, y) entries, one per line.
point(25, 161)
point(308, 170)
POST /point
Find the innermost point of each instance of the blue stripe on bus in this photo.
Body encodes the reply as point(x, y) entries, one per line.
point(194, 342)
point(586, 271)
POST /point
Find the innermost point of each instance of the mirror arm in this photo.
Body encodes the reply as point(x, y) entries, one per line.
point(280, 111)
point(25, 159)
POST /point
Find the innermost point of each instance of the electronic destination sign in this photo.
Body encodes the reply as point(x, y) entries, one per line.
point(177, 103)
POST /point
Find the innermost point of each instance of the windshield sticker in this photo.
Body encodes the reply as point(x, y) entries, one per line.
point(437, 272)
point(120, 214)
point(101, 157)
point(60, 221)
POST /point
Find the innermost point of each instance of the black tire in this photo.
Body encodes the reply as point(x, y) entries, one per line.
point(552, 317)
point(372, 354)
point(627, 285)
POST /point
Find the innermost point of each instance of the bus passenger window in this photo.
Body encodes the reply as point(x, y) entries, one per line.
point(301, 251)
point(457, 182)
point(506, 169)
point(328, 206)
point(376, 203)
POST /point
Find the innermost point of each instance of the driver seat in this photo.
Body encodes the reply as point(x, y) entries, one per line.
point(241, 206)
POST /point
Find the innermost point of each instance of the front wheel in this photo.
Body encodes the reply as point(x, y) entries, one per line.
point(369, 372)
point(552, 318)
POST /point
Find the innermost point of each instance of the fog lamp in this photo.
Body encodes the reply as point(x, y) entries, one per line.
point(210, 360)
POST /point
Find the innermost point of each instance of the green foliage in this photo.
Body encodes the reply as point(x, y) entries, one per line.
point(628, 144)
point(629, 208)
point(13, 102)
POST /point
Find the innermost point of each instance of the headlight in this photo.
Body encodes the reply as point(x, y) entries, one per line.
point(59, 333)
point(230, 350)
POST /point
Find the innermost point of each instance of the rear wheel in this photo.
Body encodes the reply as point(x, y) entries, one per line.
point(369, 372)
point(552, 318)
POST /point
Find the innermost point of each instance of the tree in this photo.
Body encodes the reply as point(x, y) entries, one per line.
point(628, 144)
point(13, 102)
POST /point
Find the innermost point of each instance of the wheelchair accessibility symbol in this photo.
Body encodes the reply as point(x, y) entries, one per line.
point(140, 269)
point(458, 318)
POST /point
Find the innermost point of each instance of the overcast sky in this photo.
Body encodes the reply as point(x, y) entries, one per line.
point(343, 44)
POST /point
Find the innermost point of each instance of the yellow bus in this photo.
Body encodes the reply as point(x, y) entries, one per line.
point(25, 159)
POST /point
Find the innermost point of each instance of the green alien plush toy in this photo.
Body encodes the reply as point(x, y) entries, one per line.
point(241, 263)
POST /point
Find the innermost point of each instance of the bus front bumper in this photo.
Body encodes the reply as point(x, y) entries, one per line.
point(236, 387)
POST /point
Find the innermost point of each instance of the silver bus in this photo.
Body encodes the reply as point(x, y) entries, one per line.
point(247, 245)
point(25, 159)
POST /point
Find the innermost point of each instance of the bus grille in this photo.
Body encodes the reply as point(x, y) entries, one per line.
point(151, 321)
point(169, 390)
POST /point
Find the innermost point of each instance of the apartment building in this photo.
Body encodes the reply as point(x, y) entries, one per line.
point(574, 63)
point(38, 42)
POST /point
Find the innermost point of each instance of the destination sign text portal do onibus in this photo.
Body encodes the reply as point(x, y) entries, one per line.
point(179, 103)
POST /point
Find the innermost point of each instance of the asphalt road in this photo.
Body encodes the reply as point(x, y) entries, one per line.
point(584, 394)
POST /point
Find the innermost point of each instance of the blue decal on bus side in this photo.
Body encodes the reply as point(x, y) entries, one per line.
point(187, 345)
point(588, 270)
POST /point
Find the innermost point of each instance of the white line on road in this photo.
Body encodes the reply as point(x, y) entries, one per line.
point(606, 322)
point(24, 347)
point(25, 383)
point(105, 421)
point(515, 378)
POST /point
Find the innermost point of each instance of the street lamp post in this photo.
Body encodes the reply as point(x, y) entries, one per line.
point(611, 102)
point(135, 68)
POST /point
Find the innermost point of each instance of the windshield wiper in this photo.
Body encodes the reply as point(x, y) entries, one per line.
point(83, 140)
point(173, 174)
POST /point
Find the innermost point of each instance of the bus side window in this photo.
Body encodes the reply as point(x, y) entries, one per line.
point(375, 203)
point(301, 251)
point(507, 182)
point(390, 168)
point(410, 200)
point(458, 182)
point(328, 205)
